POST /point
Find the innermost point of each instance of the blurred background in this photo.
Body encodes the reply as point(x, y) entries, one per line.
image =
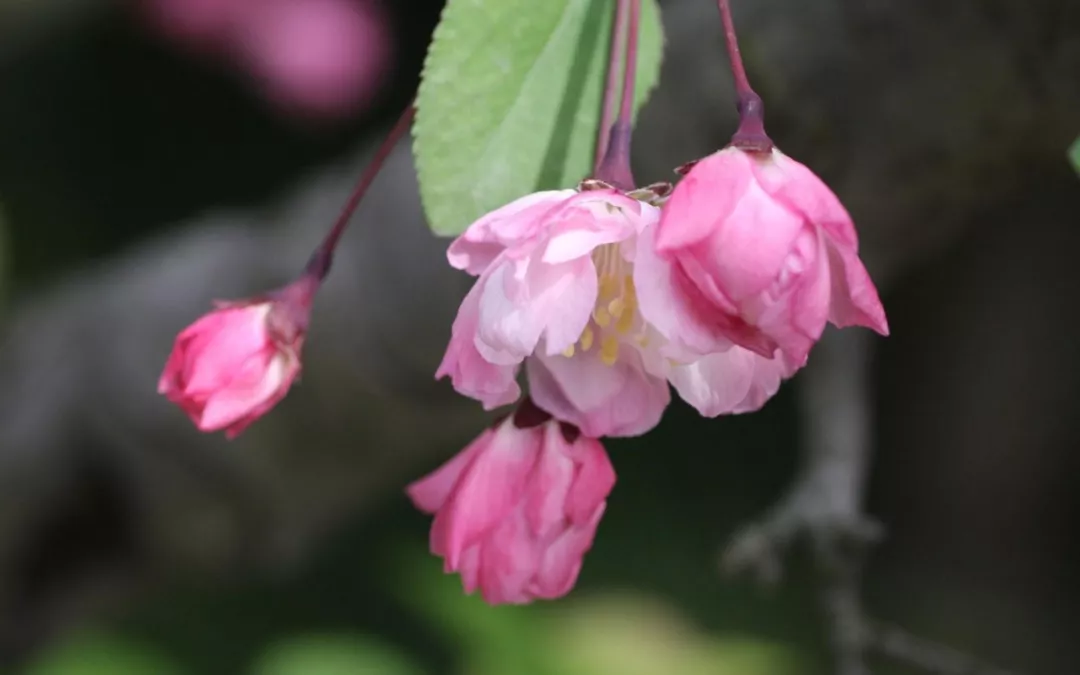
point(158, 154)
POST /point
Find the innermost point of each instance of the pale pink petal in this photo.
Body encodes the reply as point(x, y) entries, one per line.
point(562, 560)
point(855, 300)
point(488, 492)
point(704, 199)
point(471, 374)
point(616, 400)
point(734, 381)
point(521, 302)
point(430, 493)
point(508, 226)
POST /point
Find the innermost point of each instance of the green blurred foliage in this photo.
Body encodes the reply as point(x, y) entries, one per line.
point(103, 654)
point(1074, 154)
point(334, 655)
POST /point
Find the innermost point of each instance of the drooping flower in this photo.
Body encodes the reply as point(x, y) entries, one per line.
point(234, 364)
point(516, 510)
point(570, 287)
point(765, 254)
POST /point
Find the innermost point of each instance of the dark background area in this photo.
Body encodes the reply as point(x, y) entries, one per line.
point(110, 136)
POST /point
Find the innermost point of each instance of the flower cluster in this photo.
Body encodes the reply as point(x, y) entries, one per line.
point(607, 300)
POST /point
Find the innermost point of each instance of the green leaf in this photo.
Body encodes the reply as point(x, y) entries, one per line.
point(510, 100)
point(102, 655)
point(1074, 155)
point(333, 655)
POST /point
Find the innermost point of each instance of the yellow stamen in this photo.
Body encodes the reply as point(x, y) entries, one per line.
point(569, 352)
point(601, 317)
point(586, 339)
point(609, 350)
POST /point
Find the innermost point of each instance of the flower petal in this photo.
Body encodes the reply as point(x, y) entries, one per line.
point(487, 492)
point(679, 312)
point(854, 300)
point(508, 562)
point(471, 374)
point(801, 190)
point(730, 382)
point(522, 301)
point(430, 493)
point(504, 227)
point(561, 564)
point(704, 199)
point(601, 400)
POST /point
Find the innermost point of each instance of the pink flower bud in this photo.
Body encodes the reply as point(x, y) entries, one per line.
point(766, 253)
point(234, 364)
point(516, 511)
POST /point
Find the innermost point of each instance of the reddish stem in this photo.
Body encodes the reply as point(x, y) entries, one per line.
point(611, 87)
point(319, 264)
point(751, 132)
point(614, 168)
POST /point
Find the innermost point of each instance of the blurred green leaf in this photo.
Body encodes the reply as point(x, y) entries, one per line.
point(98, 654)
point(505, 640)
point(510, 100)
point(636, 635)
point(1074, 154)
point(334, 655)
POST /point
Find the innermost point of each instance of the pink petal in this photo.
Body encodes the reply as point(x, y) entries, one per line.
point(523, 301)
point(601, 400)
point(470, 373)
point(855, 299)
point(593, 219)
point(594, 481)
point(487, 493)
point(256, 387)
point(794, 311)
point(508, 561)
point(734, 381)
point(802, 191)
point(704, 199)
point(505, 227)
point(430, 493)
point(745, 252)
point(677, 309)
point(550, 484)
point(562, 561)
point(222, 342)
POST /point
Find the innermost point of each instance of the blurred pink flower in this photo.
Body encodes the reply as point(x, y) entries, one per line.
point(516, 510)
point(570, 286)
point(320, 56)
point(313, 57)
point(234, 364)
point(765, 255)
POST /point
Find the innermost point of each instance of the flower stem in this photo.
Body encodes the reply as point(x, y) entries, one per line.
point(611, 86)
point(319, 264)
point(614, 168)
point(751, 132)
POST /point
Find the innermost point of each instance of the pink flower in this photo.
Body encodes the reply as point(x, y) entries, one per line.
point(570, 287)
point(765, 254)
point(516, 510)
point(234, 364)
